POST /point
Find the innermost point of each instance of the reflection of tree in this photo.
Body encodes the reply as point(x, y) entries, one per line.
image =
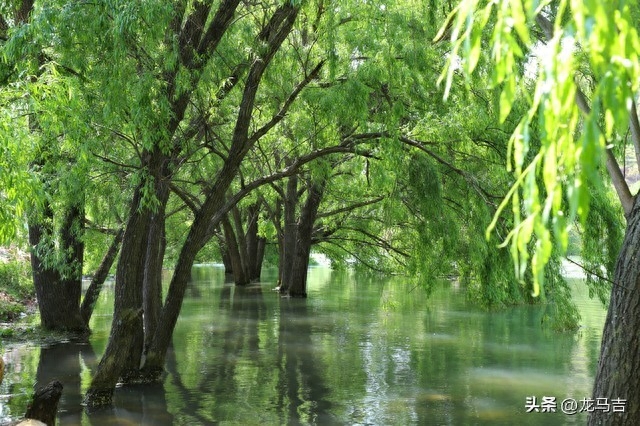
point(245, 308)
point(62, 362)
point(141, 405)
point(301, 391)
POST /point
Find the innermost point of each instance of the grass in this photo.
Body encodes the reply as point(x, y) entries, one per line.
point(17, 295)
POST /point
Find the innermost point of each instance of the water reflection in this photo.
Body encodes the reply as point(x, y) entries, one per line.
point(302, 397)
point(358, 351)
point(62, 362)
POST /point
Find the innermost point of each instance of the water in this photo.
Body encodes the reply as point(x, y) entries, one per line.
point(358, 351)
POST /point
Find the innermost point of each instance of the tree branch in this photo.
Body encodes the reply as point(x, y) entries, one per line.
point(615, 172)
point(285, 107)
point(351, 207)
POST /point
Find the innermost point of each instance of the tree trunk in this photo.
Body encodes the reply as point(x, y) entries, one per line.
point(290, 231)
point(242, 243)
point(297, 286)
point(255, 243)
point(123, 333)
point(44, 405)
point(261, 243)
point(618, 376)
point(58, 295)
point(235, 255)
point(242, 252)
point(224, 253)
point(99, 277)
point(152, 286)
point(124, 349)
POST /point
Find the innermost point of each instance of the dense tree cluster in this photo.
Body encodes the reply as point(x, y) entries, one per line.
point(142, 136)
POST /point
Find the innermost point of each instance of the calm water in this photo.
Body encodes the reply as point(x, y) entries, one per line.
point(359, 351)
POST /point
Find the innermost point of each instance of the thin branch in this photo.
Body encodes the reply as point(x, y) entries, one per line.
point(115, 163)
point(634, 126)
point(592, 272)
point(615, 172)
point(351, 207)
point(380, 242)
point(355, 256)
point(190, 201)
point(486, 196)
point(288, 171)
point(285, 107)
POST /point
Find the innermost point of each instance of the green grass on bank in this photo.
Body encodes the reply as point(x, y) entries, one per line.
point(16, 290)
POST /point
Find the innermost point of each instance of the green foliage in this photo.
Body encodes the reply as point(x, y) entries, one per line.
point(571, 146)
point(601, 242)
point(15, 289)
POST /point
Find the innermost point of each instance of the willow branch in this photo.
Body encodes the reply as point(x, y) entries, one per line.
point(613, 168)
point(285, 107)
point(351, 207)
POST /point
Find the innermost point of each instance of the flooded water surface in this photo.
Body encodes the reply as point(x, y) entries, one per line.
point(358, 351)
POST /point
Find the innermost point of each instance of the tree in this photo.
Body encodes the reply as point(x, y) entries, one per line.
point(198, 45)
point(46, 165)
point(583, 100)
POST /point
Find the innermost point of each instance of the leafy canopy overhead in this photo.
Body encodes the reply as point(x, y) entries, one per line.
point(588, 49)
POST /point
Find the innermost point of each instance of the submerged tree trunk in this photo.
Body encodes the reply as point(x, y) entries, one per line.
point(297, 284)
point(124, 333)
point(124, 349)
point(618, 376)
point(289, 230)
point(44, 405)
point(255, 243)
point(234, 253)
point(242, 252)
point(224, 253)
point(152, 285)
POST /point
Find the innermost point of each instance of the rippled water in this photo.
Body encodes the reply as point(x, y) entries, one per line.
point(358, 351)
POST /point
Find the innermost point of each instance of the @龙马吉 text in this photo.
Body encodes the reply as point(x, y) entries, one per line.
point(552, 404)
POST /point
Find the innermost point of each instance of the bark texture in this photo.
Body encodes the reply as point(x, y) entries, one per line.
point(618, 376)
point(44, 405)
point(58, 282)
point(296, 286)
point(242, 250)
point(107, 375)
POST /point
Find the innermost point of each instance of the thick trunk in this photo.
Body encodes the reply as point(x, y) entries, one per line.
point(290, 230)
point(123, 352)
point(618, 376)
point(297, 286)
point(152, 286)
point(58, 295)
point(242, 242)
point(95, 287)
point(200, 232)
point(235, 255)
point(123, 332)
point(261, 243)
point(224, 254)
point(242, 251)
point(154, 362)
point(255, 244)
